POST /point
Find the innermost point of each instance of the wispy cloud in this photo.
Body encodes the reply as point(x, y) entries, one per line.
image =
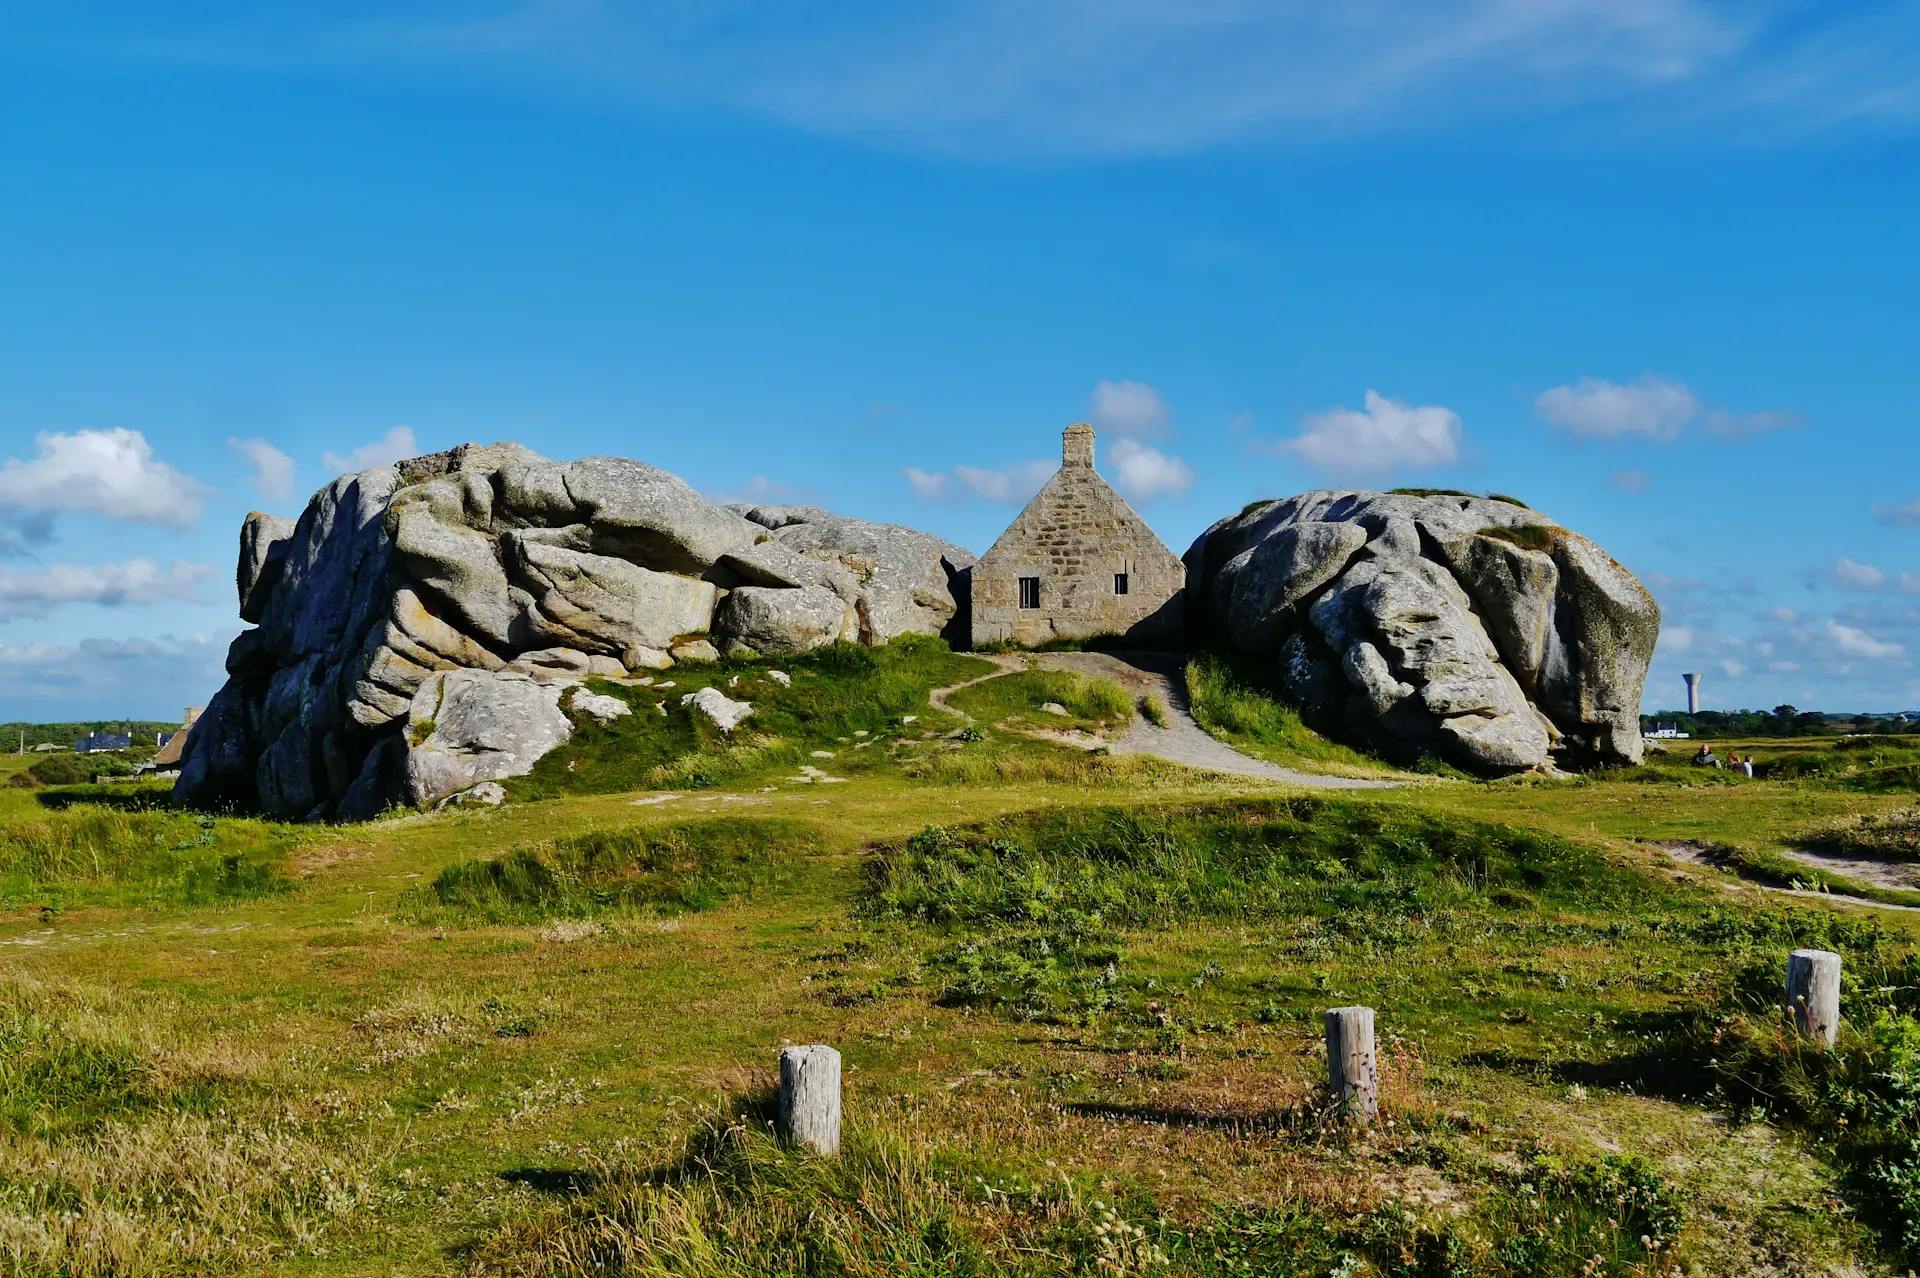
point(1001, 78)
point(1906, 513)
point(1651, 407)
point(1383, 437)
point(396, 445)
point(272, 469)
point(135, 581)
point(98, 677)
point(1013, 483)
point(111, 473)
point(1866, 578)
point(1131, 410)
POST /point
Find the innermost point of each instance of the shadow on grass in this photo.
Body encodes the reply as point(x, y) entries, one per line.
point(1671, 1063)
point(126, 798)
point(1295, 1120)
point(557, 1181)
point(708, 1147)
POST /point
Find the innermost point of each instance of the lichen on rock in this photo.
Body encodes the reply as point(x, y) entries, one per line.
point(487, 579)
point(1472, 628)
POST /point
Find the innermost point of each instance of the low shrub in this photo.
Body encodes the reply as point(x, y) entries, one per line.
point(178, 857)
point(71, 769)
point(1525, 536)
point(1233, 700)
point(1890, 836)
point(669, 869)
point(1860, 1099)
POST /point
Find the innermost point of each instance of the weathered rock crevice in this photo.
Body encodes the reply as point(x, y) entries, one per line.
point(414, 629)
point(1398, 620)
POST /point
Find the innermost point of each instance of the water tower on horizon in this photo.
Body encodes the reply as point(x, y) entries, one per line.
point(1693, 692)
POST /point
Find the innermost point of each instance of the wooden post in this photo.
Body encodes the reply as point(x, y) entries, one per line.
point(810, 1098)
point(1813, 993)
point(1353, 1077)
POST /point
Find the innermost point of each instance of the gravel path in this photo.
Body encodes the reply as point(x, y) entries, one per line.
point(1694, 854)
point(1182, 741)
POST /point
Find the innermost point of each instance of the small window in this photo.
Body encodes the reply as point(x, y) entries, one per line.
point(1029, 592)
point(1119, 583)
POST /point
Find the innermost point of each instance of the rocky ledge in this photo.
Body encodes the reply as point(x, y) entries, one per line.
point(421, 627)
point(1468, 627)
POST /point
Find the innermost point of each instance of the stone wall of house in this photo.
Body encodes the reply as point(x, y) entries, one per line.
point(1075, 537)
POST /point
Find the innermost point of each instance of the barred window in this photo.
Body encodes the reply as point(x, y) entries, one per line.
point(1029, 592)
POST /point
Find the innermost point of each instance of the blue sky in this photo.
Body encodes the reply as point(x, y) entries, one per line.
point(1647, 264)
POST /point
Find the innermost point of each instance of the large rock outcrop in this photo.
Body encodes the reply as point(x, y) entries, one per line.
point(1468, 627)
point(413, 627)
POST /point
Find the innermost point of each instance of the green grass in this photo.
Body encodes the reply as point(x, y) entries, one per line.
point(1088, 701)
point(1229, 699)
point(735, 1204)
point(1889, 836)
point(838, 694)
point(87, 853)
point(1526, 536)
point(1079, 998)
point(691, 865)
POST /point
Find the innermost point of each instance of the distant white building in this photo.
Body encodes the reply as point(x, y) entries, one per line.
point(1668, 734)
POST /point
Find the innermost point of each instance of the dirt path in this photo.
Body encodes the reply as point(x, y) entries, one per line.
point(1182, 741)
point(1003, 664)
point(1880, 876)
point(1886, 874)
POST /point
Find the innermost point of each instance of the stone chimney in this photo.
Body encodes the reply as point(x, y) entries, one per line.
point(1077, 450)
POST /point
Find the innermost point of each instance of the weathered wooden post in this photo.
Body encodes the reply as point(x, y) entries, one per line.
point(810, 1098)
point(1813, 993)
point(1353, 1076)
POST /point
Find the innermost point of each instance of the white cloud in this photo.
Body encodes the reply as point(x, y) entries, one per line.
point(396, 445)
point(134, 581)
point(927, 483)
point(1006, 483)
point(1852, 642)
point(1144, 473)
point(1649, 407)
point(272, 469)
point(1388, 435)
point(112, 473)
point(1675, 639)
point(105, 678)
point(1910, 583)
point(1851, 574)
point(1630, 481)
point(1132, 410)
point(1782, 614)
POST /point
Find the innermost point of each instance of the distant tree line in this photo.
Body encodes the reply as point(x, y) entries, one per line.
point(1781, 721)
point(64, 735)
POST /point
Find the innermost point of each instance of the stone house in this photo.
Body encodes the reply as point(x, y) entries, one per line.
point(1078, 563)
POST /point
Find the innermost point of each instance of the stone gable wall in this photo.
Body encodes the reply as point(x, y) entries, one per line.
point(1074, 536)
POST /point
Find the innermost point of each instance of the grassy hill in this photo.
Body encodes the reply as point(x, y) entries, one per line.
point(1078, 997)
